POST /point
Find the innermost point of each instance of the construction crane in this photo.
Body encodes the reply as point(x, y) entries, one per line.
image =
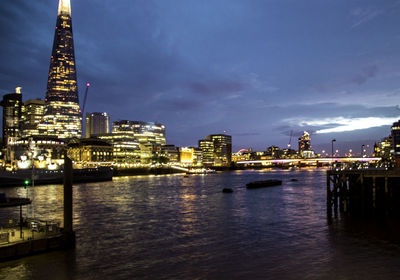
point(290, 139)
point(85, 97)
point(84, 105)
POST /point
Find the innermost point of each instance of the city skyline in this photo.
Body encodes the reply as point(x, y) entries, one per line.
point(255, 70)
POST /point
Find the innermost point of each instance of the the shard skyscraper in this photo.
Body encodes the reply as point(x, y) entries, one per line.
point(62, 116)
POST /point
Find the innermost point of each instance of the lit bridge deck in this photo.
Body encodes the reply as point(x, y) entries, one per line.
point(308, 161)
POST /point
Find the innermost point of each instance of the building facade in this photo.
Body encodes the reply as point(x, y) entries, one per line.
point(171, 152)
point(222, 149)
point(126, 149)
point(145, 132)
point(304, 142)
point(207, 149)
point(62, 112)
point(187, 155)
point(12, 105)
point(384, 149)
point(90, 152)
point(395, 133)
point(32, 115)
point(97, 123)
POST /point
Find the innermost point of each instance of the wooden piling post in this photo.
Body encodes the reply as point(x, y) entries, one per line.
point(363, 195)
point(374, 192)
point(67, 194)
point(335, 193)
point(345, 194)
point(386, 196)
point(328, 195)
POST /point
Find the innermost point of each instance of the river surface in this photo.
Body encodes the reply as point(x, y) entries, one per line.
point(176, 227)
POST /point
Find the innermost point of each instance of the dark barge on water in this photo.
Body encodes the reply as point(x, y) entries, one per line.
point(44, 176)
point(263, 184)
point(364, 192)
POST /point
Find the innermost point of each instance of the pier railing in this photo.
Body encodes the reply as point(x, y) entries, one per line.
point(32, 229)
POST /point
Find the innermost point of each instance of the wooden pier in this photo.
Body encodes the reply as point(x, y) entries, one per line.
point(363, 192)
point(63, 239)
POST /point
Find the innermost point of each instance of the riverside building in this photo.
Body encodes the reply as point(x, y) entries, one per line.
point(145, 132)
point(97, 123)
point(395, 132)
point(222, 149)
point(384, 149)
point(304, 142)
point(207, 149)
point(12, 104)
point(62, 113)
point(135, 143)
point(32, 115)
point(89, 152)
point(305, 146)
point(216, 149)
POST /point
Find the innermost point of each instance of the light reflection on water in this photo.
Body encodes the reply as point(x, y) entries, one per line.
point(173, 227)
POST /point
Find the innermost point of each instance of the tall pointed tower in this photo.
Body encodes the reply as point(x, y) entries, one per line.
point(62, 113)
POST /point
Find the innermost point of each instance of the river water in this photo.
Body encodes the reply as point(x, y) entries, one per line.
point(176, 227)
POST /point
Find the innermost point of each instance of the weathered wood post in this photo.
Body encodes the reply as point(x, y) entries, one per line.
point(335, 194)
point(345, 194)
point(67, 194)
point(20, 221)
point(68, 229)
point(374, 192)
point(363, 194)
point(387, 199)
point(328, 195)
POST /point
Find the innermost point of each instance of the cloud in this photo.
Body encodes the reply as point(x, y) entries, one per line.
point(363, 15)
point(342, 124)
point(367, 73)
point(180, 105)
point(217, 87)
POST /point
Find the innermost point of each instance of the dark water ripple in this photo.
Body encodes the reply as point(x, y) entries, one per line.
point(172, 227)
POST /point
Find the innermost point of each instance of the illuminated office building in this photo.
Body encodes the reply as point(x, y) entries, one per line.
point(97, 124)
point(222, 149)
point(198, 157)
point(221, 146)
point(384, 149)
point(126, 149)
point(273, 152)
point(32, 115)
point(207, 149)
point(187, 155)
point(171, 152)
point(395, 132)
point(62, 114)
point(145, 132)
point(12, 104)
point(304, 142)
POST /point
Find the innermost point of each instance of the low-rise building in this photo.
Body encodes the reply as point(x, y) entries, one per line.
point(90, 152)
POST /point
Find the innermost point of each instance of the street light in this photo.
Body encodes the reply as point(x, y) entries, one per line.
point(333, 140)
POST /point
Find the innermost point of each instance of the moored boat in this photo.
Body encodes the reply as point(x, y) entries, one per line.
point(264, 183)
point(23, 177)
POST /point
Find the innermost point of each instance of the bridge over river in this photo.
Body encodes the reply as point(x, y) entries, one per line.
point(308, 161)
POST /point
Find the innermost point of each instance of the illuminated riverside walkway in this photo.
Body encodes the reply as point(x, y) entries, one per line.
point(309, 161)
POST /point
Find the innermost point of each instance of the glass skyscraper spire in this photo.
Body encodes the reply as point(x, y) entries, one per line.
point(62, 113)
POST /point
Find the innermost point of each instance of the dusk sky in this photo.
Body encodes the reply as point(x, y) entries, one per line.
point(255, 69)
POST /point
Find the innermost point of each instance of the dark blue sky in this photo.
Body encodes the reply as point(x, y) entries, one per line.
point(256, 69)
